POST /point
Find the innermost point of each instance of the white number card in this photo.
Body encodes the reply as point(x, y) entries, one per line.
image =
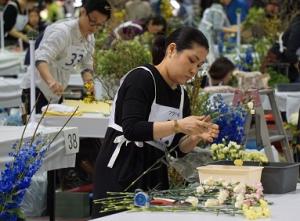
point(71, 141)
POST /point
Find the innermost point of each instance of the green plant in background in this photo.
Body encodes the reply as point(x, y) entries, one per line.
point(198, 100)
point(261, 47)
point(112, 64)
point(276, 77)
point(102, 39)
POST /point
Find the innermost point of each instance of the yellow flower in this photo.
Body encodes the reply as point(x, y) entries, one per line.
point(238, 162)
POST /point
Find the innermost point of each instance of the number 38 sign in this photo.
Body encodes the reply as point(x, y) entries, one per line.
point(71, 141)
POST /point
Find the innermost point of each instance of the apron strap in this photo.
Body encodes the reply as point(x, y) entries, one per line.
point(112, 123)
point(120, 140)
point(181, 99)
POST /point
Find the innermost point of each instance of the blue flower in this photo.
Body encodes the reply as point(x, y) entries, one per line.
point(231, 121)
point(17, 175)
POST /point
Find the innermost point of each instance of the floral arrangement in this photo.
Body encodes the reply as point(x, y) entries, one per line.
point(209, 196)
point(27, 158)
point(16, 177)
point(231, 120)
point(234, 151)
point(90, 96)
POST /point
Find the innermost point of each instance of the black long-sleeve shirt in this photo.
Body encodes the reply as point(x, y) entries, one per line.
point(291, 40)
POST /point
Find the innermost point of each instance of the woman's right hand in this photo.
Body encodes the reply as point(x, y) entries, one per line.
point(56, 87)
point(194, 125)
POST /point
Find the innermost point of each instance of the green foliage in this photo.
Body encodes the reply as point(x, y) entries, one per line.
point(254, 16)
point(112, 64)
point(198, 101)
point(276, 78)
point(261, 47)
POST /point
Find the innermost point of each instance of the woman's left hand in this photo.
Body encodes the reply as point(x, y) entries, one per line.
point(210, 134)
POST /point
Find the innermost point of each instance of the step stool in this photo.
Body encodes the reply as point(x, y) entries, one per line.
point(261, 130)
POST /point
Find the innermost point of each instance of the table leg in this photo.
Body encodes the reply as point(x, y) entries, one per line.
point(51, 194)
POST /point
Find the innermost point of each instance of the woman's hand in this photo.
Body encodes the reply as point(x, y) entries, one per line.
point(56, 87)
point(196, 125)
point(210, 132)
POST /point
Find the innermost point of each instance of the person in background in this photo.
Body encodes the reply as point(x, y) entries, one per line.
point(137, 9)
point(128, 30)
point(34, 21)
point(64, 46)
point(286, 51)
point(3, 2)
point(231, 9)
point(87, 78)
point(212, 24)
point(220, 72)
point(15, 18)
point(151, 115)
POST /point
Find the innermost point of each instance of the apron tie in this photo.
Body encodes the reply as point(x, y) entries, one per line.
point(120, 140)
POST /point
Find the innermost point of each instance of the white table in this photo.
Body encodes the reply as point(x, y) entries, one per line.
point(55, 157)
point(11, 62)
point(285, 207)
point(10, 92)
point(89, 124)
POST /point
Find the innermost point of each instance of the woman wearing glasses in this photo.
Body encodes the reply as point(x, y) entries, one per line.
point(63, 46)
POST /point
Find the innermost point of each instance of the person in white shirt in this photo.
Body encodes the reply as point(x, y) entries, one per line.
point(213, 22)
point(64, 46)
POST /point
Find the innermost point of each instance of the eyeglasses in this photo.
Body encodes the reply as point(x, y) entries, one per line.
point(93, 23)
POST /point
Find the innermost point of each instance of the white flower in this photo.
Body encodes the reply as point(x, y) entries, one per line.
point(225, 184)
point(200, 190)
point(238, 204)
point(240, 197)
point(223, 195)
point(250, 105)
point(192, 200)
point(211, 202)
point(294, 118)
point(232, 143)
point(209, 182)
point(214, 147)
point(240, 188)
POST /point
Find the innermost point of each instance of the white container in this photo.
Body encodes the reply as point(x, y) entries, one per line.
point(249, 175)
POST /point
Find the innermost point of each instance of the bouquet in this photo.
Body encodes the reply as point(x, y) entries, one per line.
point(231, 120)
point(210, 196)
point(234, 151)
point(17, 175)
point(27, 157)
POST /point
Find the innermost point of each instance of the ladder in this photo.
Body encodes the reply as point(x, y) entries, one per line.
point(262, 135)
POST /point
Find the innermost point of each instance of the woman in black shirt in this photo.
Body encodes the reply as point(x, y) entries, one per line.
point(150, 115)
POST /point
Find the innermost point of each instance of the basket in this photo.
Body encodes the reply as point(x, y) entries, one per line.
point(249, 175)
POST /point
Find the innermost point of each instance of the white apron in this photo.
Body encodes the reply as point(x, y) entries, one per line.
point(21, 20)
point(158, 113)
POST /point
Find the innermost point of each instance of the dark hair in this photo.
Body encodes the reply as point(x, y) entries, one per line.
point(34, 9)
point(220, 68)
point(184, 38)
point(158, 20)
point(87, 70)
point(101, 6)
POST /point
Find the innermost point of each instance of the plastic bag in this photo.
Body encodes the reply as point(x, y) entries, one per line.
point(35, 199)
point(187, 165)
